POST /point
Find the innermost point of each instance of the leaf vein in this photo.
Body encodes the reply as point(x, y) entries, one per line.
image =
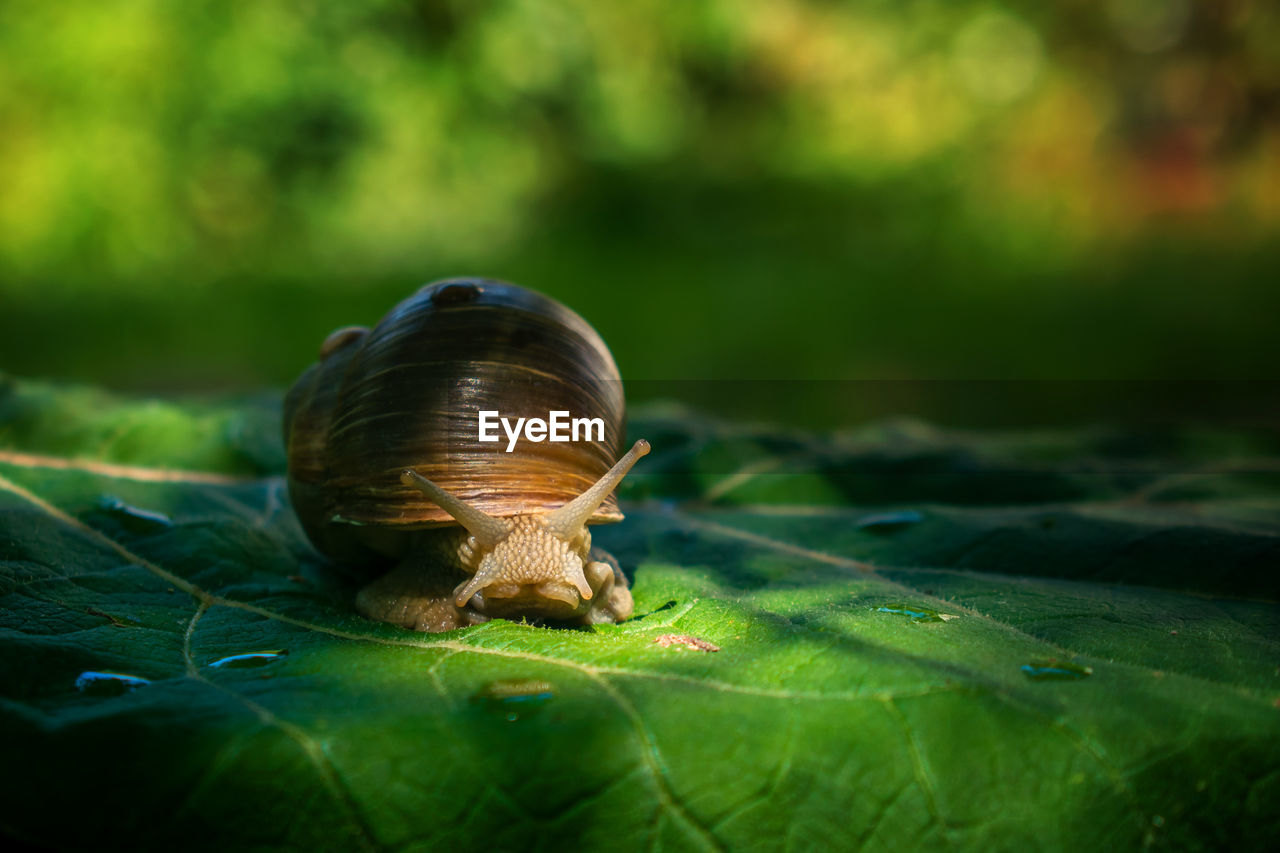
point(120, 471)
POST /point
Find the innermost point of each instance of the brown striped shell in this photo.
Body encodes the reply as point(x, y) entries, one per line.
point(407, 394)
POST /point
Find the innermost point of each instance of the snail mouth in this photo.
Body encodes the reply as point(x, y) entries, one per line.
point(550, 599)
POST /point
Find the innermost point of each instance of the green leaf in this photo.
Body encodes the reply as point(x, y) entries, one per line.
point(899, 637)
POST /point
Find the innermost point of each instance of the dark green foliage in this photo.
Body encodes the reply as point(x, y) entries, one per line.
point(192, 194)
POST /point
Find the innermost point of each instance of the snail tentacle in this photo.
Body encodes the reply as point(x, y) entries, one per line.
point(570, 518)
point(489, 531)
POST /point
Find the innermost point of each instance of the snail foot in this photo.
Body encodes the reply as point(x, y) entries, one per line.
point(414, 598)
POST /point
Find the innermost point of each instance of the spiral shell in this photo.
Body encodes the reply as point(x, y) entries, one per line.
point(408, 393)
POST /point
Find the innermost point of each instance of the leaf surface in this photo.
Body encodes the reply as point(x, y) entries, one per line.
point(927, 639)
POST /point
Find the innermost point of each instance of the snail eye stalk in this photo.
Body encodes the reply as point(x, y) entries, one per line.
point(569, 519)
point(489, 531)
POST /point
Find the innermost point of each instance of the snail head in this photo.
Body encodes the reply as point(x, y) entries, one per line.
point(536, 563)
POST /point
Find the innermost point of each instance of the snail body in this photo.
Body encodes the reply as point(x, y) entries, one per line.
point(388, 474)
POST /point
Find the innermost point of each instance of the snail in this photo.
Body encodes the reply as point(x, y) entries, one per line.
point(388, 475)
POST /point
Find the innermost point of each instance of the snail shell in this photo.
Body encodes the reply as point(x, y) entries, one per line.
point(385, 463)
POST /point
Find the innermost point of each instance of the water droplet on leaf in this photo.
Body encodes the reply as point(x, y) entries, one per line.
point(249, 660)
point(108, 683)
point(887, 522)
point(914, 612)
point(134, 518)
point(513, 697)
point(1055, 670)
point(115, 620)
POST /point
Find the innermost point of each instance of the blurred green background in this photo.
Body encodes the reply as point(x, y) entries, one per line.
point(192, 194)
